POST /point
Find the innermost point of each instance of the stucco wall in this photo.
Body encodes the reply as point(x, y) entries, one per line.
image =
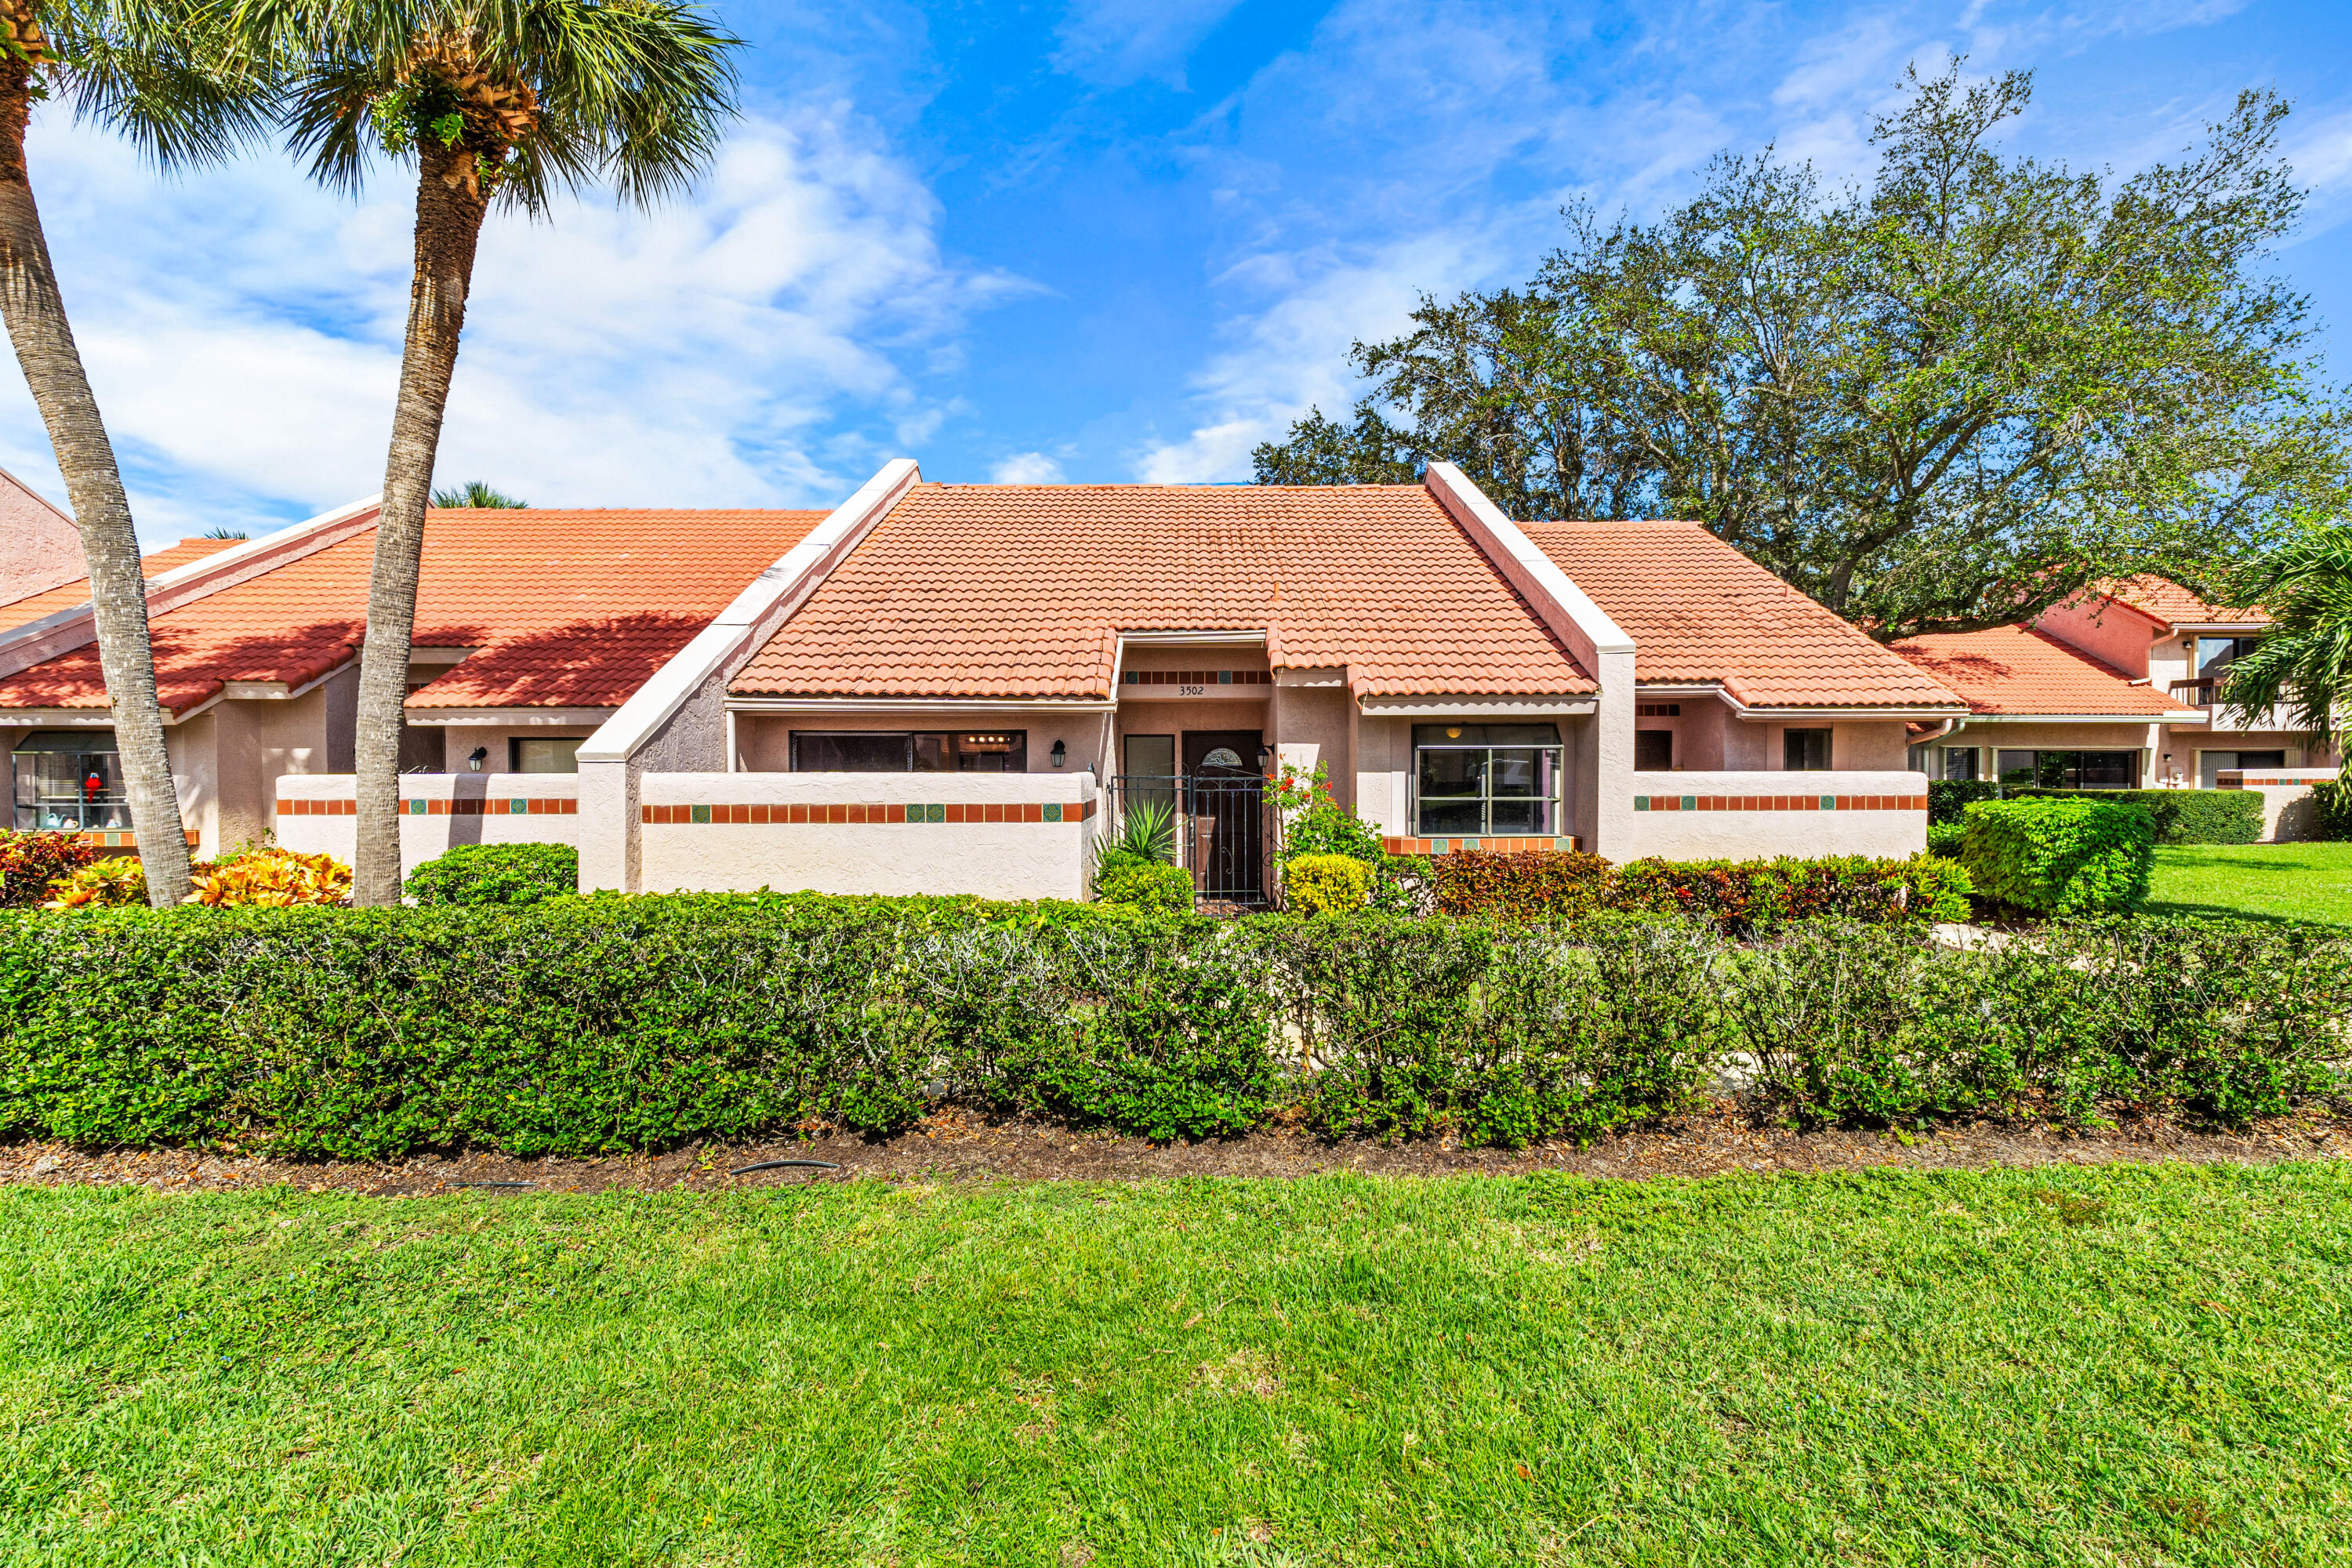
point(39, 546)
point(1751, 815)
point(2105, 630)
point(458, 741)
point(2289, 814)
point(1312, 726)
point(472, 808)
point(885, 853)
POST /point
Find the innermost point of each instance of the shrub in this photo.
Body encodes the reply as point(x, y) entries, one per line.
point(1947, 799)
point(2068, 855)
point(2181, 815)
point(575, 1025)
point(117, 879)
point(1539, 884)
point(1121, 878)
point(495, 874)
point(29, 862)
point(1325, 884)
point(1739, 897)
point(1944, 839)
point(271, 878)
point(2332, 799)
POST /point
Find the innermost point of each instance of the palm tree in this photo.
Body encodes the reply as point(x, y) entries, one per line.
point(474, 493)
point(2304, 664)
point(504, 101)
point(164, 74)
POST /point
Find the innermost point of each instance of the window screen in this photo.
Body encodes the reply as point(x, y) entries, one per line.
point(1805, 751)
point(69, 780)
point(1476, 779)
point(915, 752)
point(545, 754)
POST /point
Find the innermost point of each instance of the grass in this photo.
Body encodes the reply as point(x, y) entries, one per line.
point(2122, 1364)
point(2266, 882)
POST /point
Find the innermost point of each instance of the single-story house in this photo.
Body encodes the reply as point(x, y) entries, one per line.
point(531, 629)
point(1030, 661)
point(2115, 690)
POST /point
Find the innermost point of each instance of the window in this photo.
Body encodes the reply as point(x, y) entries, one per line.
point(544, 755)
point(1475, 779)
point(1960, 762)
point(1653, 751)
point(2211, 764)
point(2069, 769)
point(2216, 655)
point(921, 752)
point(1805, 751)
point(1151, 756)
point(69, 780)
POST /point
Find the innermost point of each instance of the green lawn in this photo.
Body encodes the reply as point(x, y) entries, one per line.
point(2269, 881)
point(2135, 1365)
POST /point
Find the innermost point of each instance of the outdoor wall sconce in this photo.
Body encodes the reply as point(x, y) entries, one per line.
point(473, 762)
point(1264, 757)
point(1060, 753)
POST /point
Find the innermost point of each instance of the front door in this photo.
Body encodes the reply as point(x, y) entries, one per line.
point(1225, 797)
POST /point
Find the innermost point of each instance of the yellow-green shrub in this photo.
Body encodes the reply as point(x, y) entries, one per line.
point(1327, 884)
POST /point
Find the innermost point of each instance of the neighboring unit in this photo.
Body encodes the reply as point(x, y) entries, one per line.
point(533, 627)
point(2114, 691)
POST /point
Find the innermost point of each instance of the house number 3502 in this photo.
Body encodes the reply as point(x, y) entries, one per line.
point(1191, 691)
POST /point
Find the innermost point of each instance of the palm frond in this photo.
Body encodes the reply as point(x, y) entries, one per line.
point(174, 78)
point(2304, 663)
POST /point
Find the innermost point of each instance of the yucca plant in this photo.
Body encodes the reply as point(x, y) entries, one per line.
point(1147, 829)
point(492, 103)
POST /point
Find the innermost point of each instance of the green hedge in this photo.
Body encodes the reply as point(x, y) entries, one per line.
point(2181, 815)
point(1948, 798)
point(2073, 855)
point(577, 1025)
point(1742, 896)
point(495, 874)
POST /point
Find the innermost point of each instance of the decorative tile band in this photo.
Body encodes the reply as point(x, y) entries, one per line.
point(500, 806)
point(120, 838)
point(1489, 844)
point(1196, 678)
point(869, 814)
point(1780, 803)
point(2252, 780)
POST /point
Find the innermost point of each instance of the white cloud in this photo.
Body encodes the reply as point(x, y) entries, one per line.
point(1025, 469)
point(1114, 42)
point(745, 347)
point(1292, 355)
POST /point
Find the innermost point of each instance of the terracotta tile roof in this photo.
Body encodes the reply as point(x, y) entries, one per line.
point(1699, 611)
point(2168, 602)
point(568, 609)
point(2015, 670)
point(1021, 591)
point(67, 596)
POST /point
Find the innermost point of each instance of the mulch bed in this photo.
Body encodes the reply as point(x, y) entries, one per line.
point(958, 1146)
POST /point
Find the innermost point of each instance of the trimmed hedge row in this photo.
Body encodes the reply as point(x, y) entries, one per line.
point(575, 1025)
point(1741, 896)
point(2181, 815)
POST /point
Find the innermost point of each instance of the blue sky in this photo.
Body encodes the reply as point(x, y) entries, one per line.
point(1094, 240)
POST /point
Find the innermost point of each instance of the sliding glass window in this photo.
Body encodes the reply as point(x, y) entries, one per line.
point(918, 752)
point(1472, 779)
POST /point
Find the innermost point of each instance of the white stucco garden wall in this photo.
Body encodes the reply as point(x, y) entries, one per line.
point(2289, 814)
point(313, 813)
point(1729, 815)
point(717, 850)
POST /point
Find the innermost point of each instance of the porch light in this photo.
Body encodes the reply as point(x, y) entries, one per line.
point(1264, 757)
point(473, 762)
point(1060, 753)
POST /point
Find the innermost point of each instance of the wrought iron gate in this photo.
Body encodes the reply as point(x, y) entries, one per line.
point(1225, 827)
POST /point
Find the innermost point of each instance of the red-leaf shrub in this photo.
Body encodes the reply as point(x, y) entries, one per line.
point(29, 862)
point(1541, 884)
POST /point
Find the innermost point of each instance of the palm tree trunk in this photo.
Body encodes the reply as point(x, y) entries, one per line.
point(44, 341)
point(449, 213)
